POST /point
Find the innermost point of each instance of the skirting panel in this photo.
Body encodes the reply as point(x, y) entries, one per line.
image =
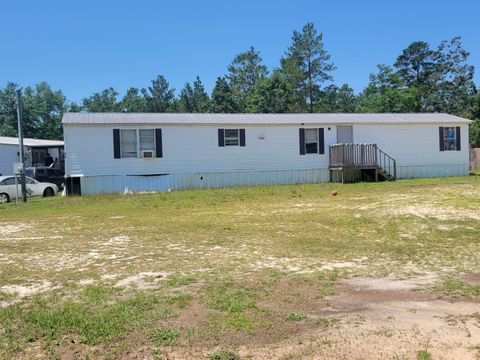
point(136, 183)
point(125, 184)
point(425, 171)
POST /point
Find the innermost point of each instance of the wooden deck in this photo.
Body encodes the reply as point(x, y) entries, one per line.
point(350, 162)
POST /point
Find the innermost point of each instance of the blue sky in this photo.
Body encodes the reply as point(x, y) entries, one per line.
point(85, 46)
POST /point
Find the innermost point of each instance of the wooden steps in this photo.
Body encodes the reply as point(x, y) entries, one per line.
point(361, 162)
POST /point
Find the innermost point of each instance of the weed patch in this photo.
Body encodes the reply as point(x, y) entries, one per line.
point(457, 288)
point(224, 355)
point(95, 317)
point(165, 336)
point(295, 317)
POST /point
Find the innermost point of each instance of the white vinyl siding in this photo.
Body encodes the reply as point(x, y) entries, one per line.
point(190, 148)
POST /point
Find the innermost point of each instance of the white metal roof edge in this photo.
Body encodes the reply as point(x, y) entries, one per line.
point(206, 118)
point(6, 140)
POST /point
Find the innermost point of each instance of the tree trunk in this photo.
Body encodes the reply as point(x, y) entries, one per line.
point(310, 87)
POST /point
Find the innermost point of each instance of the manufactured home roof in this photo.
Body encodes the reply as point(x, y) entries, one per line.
point(30, 142)
point(176, 118)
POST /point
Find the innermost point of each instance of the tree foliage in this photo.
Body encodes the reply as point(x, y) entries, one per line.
point(104, 101)
point(133, 101)
point(193, 99)
point(223, 99)
point(159, 97)
point(245, 70)
point(42, 111)
point(308, 62)
point(271, 95)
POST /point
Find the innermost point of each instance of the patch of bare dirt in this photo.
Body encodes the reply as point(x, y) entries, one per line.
point(384, 318)
point(9, 229)
point(19, 292)
point(440, 213)
point(144, 280)
point(472, 279)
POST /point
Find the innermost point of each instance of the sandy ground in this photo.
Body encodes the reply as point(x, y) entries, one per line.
point(381, 318)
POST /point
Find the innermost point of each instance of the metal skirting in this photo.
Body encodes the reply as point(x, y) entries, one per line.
point(425, 171)
point(125, 184)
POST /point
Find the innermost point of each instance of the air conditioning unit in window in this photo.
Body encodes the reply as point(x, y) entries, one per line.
point(148, 154)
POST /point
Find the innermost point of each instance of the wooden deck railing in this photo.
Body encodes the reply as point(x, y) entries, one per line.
point(387, 163)
point(362, 156)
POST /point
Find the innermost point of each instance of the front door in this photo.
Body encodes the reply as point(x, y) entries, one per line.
point(344, 134)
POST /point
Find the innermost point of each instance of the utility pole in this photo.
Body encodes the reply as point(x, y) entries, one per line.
point(20, 145)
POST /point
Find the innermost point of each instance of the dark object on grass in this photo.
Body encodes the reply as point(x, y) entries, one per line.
point(334, 193)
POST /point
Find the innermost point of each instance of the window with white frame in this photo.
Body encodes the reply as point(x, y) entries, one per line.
point(146, 139)
point(449, 138)
point(128, 143)
point(311, 141)
point(133, 141)
point(232, 137)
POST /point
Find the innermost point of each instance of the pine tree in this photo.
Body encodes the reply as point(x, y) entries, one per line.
point(308, 63)
point(223, 100)
point(133, 101)
point(159, 97)
point(201, 101)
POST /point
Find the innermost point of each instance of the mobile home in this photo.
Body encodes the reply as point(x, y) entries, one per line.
point(35, 151)
point(129, 152)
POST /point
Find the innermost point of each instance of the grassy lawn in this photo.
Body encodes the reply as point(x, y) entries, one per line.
point(221, 272)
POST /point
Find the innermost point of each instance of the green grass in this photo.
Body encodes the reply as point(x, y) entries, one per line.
point(423, 355)
point(457, 288)
point(96, 316)
point(165, 336)
point(178, 280)
point(295, 317)
point(236, 302)
point(242, 260)
point(224, 355)
point(181, 300)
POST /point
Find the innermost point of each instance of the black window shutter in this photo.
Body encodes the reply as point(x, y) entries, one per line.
point(158, 143)
point(242, 137)
point(441, 139)
point(221, 137)
point(457, 130)
point(116, 143)
point(302, 141)
point(321, 141)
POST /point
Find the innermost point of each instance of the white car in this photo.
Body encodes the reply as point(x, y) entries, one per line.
point(34, 188)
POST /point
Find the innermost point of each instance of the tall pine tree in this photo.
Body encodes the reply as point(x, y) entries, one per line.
point(159, 96)
point(223, 100)
point(308, 64)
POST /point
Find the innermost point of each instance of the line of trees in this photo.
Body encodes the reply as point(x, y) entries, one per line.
point(422, 79)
